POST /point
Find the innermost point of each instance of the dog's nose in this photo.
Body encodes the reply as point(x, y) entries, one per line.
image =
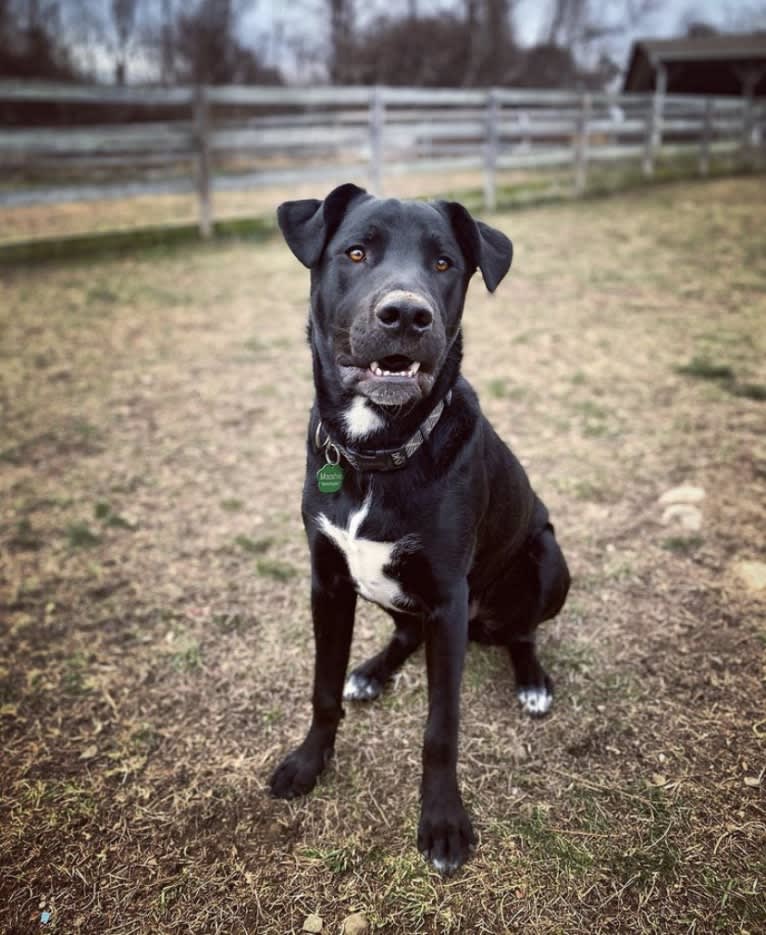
point(405, 315)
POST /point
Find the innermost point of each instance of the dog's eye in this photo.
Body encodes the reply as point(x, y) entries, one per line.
point(356, 254)
point(442, 264)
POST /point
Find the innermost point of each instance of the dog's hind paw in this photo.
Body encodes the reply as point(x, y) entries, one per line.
point(361, 687)
point(536, 700)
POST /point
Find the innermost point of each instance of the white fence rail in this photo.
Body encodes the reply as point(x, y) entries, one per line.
point(281, 136)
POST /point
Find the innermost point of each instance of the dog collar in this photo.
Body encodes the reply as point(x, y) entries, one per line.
point(381, 459)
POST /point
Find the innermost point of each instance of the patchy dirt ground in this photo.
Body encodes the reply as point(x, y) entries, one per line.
point(156, 638)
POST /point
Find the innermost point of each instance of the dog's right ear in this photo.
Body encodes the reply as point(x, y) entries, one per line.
point(308, 224)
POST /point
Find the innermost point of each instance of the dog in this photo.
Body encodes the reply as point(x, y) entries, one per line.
point(411, 499)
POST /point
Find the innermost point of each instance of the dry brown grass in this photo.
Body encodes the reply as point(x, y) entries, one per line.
point(156, 639)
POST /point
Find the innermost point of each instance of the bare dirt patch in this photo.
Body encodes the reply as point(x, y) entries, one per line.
point(156, 638)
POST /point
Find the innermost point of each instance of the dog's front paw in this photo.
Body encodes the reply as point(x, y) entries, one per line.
point(445, 835)
point(298, 772)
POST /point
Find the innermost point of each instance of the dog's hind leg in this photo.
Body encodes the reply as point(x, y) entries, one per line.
point(534, 687)
point(546, 576)
point(366, 681)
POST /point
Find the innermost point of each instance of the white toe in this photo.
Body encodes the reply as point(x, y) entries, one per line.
point(535, 701)
point(358, 688)
point(443, 866)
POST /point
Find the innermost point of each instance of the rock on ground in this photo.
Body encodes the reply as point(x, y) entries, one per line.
point(751, 574)
point(685, 493)
point(684, 515)
point(355, 924)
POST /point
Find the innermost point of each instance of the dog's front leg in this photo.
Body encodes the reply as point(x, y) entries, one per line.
point(333, 602)
point(445, 835)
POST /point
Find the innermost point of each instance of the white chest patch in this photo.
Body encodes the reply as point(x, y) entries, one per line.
point(366, 559)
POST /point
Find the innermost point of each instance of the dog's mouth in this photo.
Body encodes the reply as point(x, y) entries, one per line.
point(394, 367)
point(393, 380)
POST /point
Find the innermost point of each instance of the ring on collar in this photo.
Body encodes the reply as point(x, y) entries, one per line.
point(331, 450)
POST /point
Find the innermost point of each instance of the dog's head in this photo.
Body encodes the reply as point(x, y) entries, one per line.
point(388, 283)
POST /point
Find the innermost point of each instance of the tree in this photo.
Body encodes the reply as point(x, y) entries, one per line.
point(429, 51)
point(567, 21)
point(552, 66)
point(207, 50)
point(341, 40)
point(492, 48)
point(587, 27)
point(29, 41)
point(124, 17)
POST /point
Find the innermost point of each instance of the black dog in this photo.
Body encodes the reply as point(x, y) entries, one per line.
point(411, 499)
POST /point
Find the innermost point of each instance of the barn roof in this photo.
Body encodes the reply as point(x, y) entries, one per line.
point(701, 65)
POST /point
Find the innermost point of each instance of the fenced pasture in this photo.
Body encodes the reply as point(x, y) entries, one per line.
point(111, 157)
point(155, 657)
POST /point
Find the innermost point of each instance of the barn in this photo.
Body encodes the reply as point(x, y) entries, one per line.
point(732, 65)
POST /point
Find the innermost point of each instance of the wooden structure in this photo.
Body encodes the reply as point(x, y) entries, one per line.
point(237, 138)
point(715, 65)
point(720, 65)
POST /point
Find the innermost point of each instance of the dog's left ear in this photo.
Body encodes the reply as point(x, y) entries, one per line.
point(308, 224)
point(484, 247)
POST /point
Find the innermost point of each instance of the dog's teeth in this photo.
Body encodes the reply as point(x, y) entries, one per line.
point(378, 371)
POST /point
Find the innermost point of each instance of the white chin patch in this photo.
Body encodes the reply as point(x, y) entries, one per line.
point(535, 701)
point(361, 419)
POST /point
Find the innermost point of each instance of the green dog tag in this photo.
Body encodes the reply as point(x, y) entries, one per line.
point(330, 478)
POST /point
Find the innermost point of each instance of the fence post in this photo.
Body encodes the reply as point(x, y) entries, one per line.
point(654, 123)
point(202, 141)
point(581, 145)
point(490, 151)
point(747, 122)
point(377, 123)
point(707, 135)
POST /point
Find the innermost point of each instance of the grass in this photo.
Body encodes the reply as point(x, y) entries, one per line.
point(704, 369)
point(682, 544)
point(161, 239)
point(254, 546)
point(155, 644)
point(497, 388)
point(755, 391)
point(80, 536)
point(279, 571)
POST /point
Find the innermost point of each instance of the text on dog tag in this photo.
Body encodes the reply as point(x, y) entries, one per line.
point(330, 478)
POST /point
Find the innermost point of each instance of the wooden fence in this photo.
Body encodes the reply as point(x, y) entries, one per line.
point(237, 138)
